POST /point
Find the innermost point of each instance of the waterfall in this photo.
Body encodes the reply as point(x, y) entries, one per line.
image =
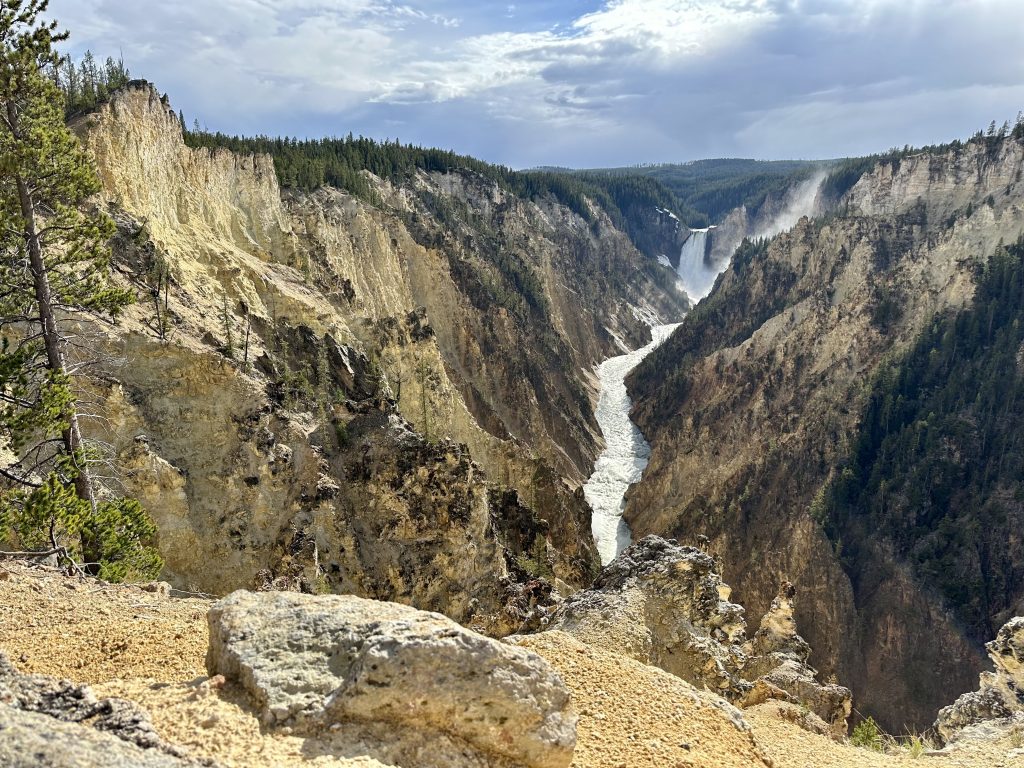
point(625, 456)
point(696, 275)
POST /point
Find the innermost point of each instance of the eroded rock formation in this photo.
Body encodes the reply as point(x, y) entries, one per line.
point(663, 605)
point(998, 704)
point(777, 663)
point(666, 605)
point(54, 723)
point(263, 394)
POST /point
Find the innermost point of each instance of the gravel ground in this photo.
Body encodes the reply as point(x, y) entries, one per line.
point(635, 716)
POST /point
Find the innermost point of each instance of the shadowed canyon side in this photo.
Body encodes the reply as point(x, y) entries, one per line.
point(381, 399)
point(758, 411)
point(626, 452)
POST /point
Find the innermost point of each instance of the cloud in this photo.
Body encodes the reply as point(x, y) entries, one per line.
point(621, 82)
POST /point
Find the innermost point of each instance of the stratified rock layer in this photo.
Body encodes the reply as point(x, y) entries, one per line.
point(456, 697)
point(777, 662)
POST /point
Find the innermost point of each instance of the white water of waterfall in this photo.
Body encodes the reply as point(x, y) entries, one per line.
point(696, 275)
point(626, 452)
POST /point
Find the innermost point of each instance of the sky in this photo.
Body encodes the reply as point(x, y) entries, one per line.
point(577, 83)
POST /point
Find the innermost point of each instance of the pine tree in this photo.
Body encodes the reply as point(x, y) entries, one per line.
point(90, 79)
point(53, 268)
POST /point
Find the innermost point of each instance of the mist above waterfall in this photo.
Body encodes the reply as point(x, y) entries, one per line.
point(707, 252)
point(802, 200)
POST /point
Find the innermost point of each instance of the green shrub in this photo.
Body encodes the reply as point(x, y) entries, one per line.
point(915, 745)
point(868, 735)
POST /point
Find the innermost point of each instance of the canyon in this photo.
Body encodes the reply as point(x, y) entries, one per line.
point(466, 399)
point(391, 400)
point(425, 385)
point(756, 404)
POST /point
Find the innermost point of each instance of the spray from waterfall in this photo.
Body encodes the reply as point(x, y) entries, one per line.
point(802, 200)
point(707, 252)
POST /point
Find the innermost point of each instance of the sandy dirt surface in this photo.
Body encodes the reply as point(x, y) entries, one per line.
point(635, 716)
point(91, 632)
point(218, 721)
point(149, 647)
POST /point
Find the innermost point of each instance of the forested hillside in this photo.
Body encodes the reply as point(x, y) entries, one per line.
point(938, 467)
point(843, 411)
point(709, 189)
point(88, 82)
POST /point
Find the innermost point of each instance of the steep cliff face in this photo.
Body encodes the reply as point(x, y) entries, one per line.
point(658, 233)
point(755, 403)
point(286, 345)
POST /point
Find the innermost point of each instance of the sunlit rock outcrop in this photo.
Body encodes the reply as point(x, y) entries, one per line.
point(666, 605)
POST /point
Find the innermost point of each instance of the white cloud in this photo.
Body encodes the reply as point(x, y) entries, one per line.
point(685, 77)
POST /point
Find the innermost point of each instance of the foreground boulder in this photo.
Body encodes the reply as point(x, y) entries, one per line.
point(998, 704)
point(666, 605)
point(457, 698)
point(50, 723)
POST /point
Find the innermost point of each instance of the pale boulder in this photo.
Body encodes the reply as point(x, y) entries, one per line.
point(311, 662)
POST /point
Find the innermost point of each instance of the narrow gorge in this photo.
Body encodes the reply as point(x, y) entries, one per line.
point(412, 383)
point(353, 452)
point(407, 419)
point(704, 255)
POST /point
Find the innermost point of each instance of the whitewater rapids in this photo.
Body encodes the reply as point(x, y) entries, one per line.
point(626, 452)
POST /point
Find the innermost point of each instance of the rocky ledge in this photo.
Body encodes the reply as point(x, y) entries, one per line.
point(666, 605)
point(49, 722)
point(350, 683)
point(412, 688)
point(998, 704)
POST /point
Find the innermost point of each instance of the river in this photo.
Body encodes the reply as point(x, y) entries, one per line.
point(626, 452)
